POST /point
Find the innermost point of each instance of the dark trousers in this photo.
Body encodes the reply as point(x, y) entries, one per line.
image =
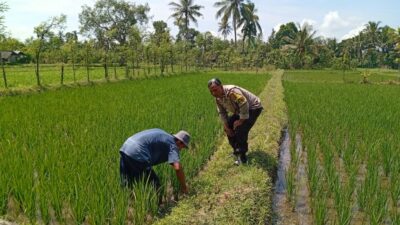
point(132, 171)
point(239, 140)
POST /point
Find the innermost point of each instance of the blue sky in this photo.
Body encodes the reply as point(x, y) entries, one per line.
point(331, 18)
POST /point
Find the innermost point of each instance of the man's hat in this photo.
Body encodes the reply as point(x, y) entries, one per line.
point(184, 137)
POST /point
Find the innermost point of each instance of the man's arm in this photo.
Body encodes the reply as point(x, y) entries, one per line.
point(223, 115)
point(237, 96)
point(181, 176)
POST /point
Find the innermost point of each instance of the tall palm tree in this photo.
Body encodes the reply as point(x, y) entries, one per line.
point(303, 41)
point(185, 12)
point(358, 45)
point(224, 28)
point(250, 23)
point(373, 32)
point(229, 8)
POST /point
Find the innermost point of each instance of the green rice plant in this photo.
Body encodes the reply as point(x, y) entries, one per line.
point(331, 177)
point(120, 207)
point(343, 203)
point(3, 199)
point(378, 208)
point(394, 216)
point(3, 188)
point(351, 158)
point(291, 185)
point(312, 170)
point(294, 155)
point(387, 154)
point(6, 164)
point(291, 172)
point(394, 183)
point(22, 188)
point(144, 203)
point(319, 206)
point(79, 205)
point(362, 197)
point(43, 204)
point(3, 202)
point(352, 182)
point(370, 186)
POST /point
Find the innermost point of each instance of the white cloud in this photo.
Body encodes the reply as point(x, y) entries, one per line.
point(332, 20)
point(336, 26)
point(353, 32)
point(21, 32)
point(277, 27)
point(310, 22)
point(24, 15)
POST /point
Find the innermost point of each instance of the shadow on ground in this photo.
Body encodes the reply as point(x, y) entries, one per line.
point(264, 161)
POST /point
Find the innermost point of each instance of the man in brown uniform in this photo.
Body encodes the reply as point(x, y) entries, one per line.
point(245, 108)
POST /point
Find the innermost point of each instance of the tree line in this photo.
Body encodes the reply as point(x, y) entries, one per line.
point(116, 32)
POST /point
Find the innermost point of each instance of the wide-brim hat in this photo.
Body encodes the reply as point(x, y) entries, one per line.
point(183, 136)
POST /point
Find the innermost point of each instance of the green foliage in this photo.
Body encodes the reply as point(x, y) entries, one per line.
point(278, 38)
point(3, 9)
point(44, 34)
point(112, 20)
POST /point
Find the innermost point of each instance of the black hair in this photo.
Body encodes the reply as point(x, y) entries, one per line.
point(215, 81)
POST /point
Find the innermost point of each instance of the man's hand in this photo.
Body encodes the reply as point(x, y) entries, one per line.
point(229, 132)
point(185, 190)
point(181, 177)
point(237, 123)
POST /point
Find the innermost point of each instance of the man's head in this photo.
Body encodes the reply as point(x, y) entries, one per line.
point(182, 139)
point(216, 88)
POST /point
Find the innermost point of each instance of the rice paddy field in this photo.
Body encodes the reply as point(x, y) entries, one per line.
point(59, 157)
point(346, 136)
point(22, 76)
point(349, 76)
point(60, 162)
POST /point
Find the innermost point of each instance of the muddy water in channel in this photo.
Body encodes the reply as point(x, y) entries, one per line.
point(284, 212)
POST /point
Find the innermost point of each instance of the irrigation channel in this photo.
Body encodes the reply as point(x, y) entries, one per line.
point(284, 212)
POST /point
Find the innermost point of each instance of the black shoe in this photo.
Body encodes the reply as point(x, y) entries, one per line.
point(243, 158)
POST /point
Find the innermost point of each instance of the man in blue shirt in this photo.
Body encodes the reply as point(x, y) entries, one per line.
point(149, 148)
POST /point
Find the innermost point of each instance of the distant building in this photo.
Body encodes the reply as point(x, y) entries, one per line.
point(12, 56)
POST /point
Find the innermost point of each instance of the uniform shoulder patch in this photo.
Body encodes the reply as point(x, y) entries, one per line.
point(238, 98)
